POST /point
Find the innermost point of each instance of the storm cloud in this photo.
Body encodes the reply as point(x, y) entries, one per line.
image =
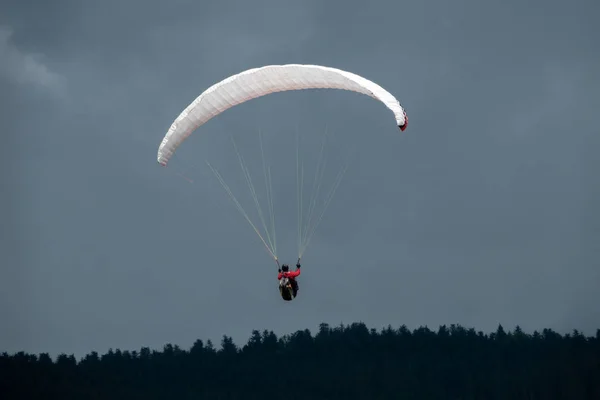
point(485, 211)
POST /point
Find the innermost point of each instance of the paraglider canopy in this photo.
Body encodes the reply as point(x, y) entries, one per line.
point(265, 80)
point(257, 82)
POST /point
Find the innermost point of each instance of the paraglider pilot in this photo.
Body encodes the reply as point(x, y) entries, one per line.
point(288, 286)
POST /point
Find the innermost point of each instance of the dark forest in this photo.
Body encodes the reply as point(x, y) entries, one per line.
point(343, 362)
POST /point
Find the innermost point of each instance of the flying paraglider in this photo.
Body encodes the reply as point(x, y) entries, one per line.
point(257, 82)
point(288, 285)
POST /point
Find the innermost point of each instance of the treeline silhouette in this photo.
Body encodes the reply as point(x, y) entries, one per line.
point(344, 362)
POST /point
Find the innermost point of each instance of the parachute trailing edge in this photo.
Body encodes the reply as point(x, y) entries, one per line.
point(262, 81)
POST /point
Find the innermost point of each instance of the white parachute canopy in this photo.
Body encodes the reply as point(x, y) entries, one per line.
point(262, 81)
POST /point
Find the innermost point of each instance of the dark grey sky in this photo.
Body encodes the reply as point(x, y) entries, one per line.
point(485, 211)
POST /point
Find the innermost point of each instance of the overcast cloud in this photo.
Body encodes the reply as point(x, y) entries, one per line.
point(485, 211)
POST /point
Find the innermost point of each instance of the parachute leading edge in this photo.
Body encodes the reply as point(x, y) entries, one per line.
point(262, 81)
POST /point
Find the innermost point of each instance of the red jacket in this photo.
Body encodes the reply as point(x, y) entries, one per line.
point(289, 274)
